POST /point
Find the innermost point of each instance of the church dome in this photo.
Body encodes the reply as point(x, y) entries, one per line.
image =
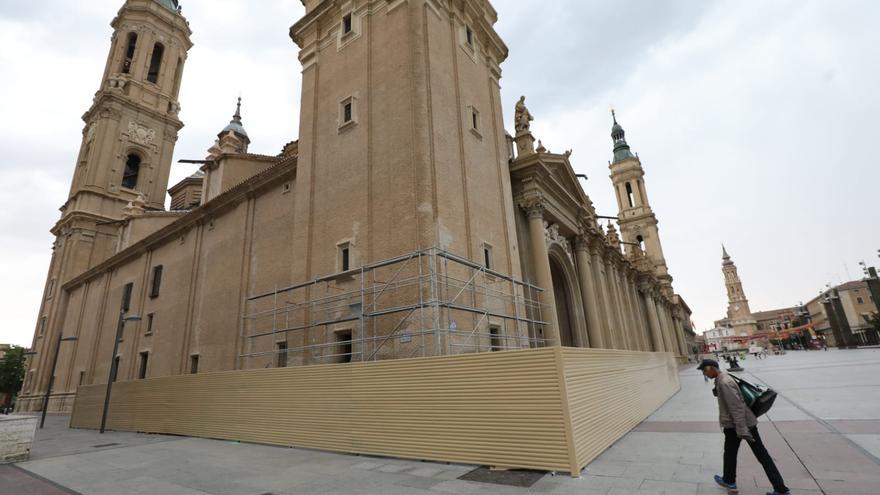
point(172, 5)
point(235, 126)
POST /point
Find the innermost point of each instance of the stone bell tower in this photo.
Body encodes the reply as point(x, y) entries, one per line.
point(125, 156)
point(402, 131)
point(638, 224)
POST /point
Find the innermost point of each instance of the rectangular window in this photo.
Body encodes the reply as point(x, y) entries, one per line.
point(487, 256)
point(142, 371)
point(344, 346)
point(346, 24)
point(494, 339)
point(82, 377)
point(126, 296)
point(346, 112)
point(281, 355)
point(149, 323)
point(115, 374)
point(157, 281)
point(469, 35)
point(475, 119)
point(860, 300)
point(194, 364)
point(346, 262)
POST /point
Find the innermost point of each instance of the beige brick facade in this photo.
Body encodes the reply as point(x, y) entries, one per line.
point(402, 148)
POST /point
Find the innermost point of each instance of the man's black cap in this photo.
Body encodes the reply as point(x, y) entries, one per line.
point(708, 362)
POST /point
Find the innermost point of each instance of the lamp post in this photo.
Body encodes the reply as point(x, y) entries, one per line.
point(113, 365)
point(52, 375)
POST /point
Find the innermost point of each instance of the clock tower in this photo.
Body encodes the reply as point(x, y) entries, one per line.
point(739, 315)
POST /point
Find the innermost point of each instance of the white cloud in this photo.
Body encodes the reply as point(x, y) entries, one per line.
point(754, 124)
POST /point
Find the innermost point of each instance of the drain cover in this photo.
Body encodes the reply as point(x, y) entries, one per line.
point(521, 478)
point(105, 445)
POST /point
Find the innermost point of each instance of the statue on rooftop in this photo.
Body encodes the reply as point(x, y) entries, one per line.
point(523, 119)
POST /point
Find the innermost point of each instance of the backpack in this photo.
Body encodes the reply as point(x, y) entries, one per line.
point(759, 399)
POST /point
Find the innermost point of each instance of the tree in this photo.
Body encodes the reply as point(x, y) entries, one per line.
point(12, 371)
point(874, 321)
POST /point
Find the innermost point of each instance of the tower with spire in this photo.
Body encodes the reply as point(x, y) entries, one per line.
point(739, 315)
point(638, 224)
point(124, 161)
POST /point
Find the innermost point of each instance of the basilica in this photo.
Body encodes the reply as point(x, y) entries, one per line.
point(404, 221)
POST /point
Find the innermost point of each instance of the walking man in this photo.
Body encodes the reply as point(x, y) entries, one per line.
point(738, 423)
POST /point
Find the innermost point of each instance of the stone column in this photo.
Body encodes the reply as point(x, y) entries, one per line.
point(653, 320)
point(636, 306)
point(621, 330)
point(626, 311)
point(612, 306)
point(601, 294)
point(588, 292)
point(679, 334)
point(544, 279)
point(667, 330)
point(630, 310)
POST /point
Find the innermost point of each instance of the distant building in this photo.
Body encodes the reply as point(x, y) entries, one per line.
point(739, 315)
point(857, 304)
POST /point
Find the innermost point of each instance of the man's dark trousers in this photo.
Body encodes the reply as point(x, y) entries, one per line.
point(731, 448)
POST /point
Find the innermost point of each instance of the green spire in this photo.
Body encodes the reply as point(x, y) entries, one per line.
point(618, 135)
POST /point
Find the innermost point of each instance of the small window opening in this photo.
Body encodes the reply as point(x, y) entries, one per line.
point(281, 355)
point(142, 371)
point(150, 317)
point(346, 24)
point(860, 300)
point(42, 326)
point(494, 339)
point(157, 281)
point(126, 296)
point(343, 340)
point(487, 257)
point(475, 119)
point(641, 241)
point(629, 195)
point(194, 364)
point(131, 172)
point(346, 112)
point(115, 373)
point(129, 53)
point(155, 63)
point(344, 257)
point(469, 35)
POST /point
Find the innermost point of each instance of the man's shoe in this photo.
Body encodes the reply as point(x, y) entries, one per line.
point(730, 487)
point(779, 493)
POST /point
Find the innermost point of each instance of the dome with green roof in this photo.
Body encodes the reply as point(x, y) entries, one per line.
point(172, 5)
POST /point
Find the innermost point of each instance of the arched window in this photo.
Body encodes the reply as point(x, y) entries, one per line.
point(132, 170)
point(129, 52)
point(155, 63)
point(629, 195)
point(641, 241)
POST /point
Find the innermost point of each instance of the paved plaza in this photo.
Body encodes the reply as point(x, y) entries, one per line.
point(824, 433)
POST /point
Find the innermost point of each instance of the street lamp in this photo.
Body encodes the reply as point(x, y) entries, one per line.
point(113, 364)
point(52, 375)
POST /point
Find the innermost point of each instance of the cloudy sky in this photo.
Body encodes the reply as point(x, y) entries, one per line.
point(755, 122)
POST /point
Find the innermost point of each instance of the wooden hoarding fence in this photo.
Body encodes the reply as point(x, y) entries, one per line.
point(550, 409)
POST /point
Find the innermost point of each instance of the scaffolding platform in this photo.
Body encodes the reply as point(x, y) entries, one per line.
point(426, 303)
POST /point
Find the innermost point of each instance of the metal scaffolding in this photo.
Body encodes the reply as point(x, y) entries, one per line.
point(426, 303)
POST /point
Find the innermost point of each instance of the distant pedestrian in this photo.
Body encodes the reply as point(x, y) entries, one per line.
point(738, 423)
